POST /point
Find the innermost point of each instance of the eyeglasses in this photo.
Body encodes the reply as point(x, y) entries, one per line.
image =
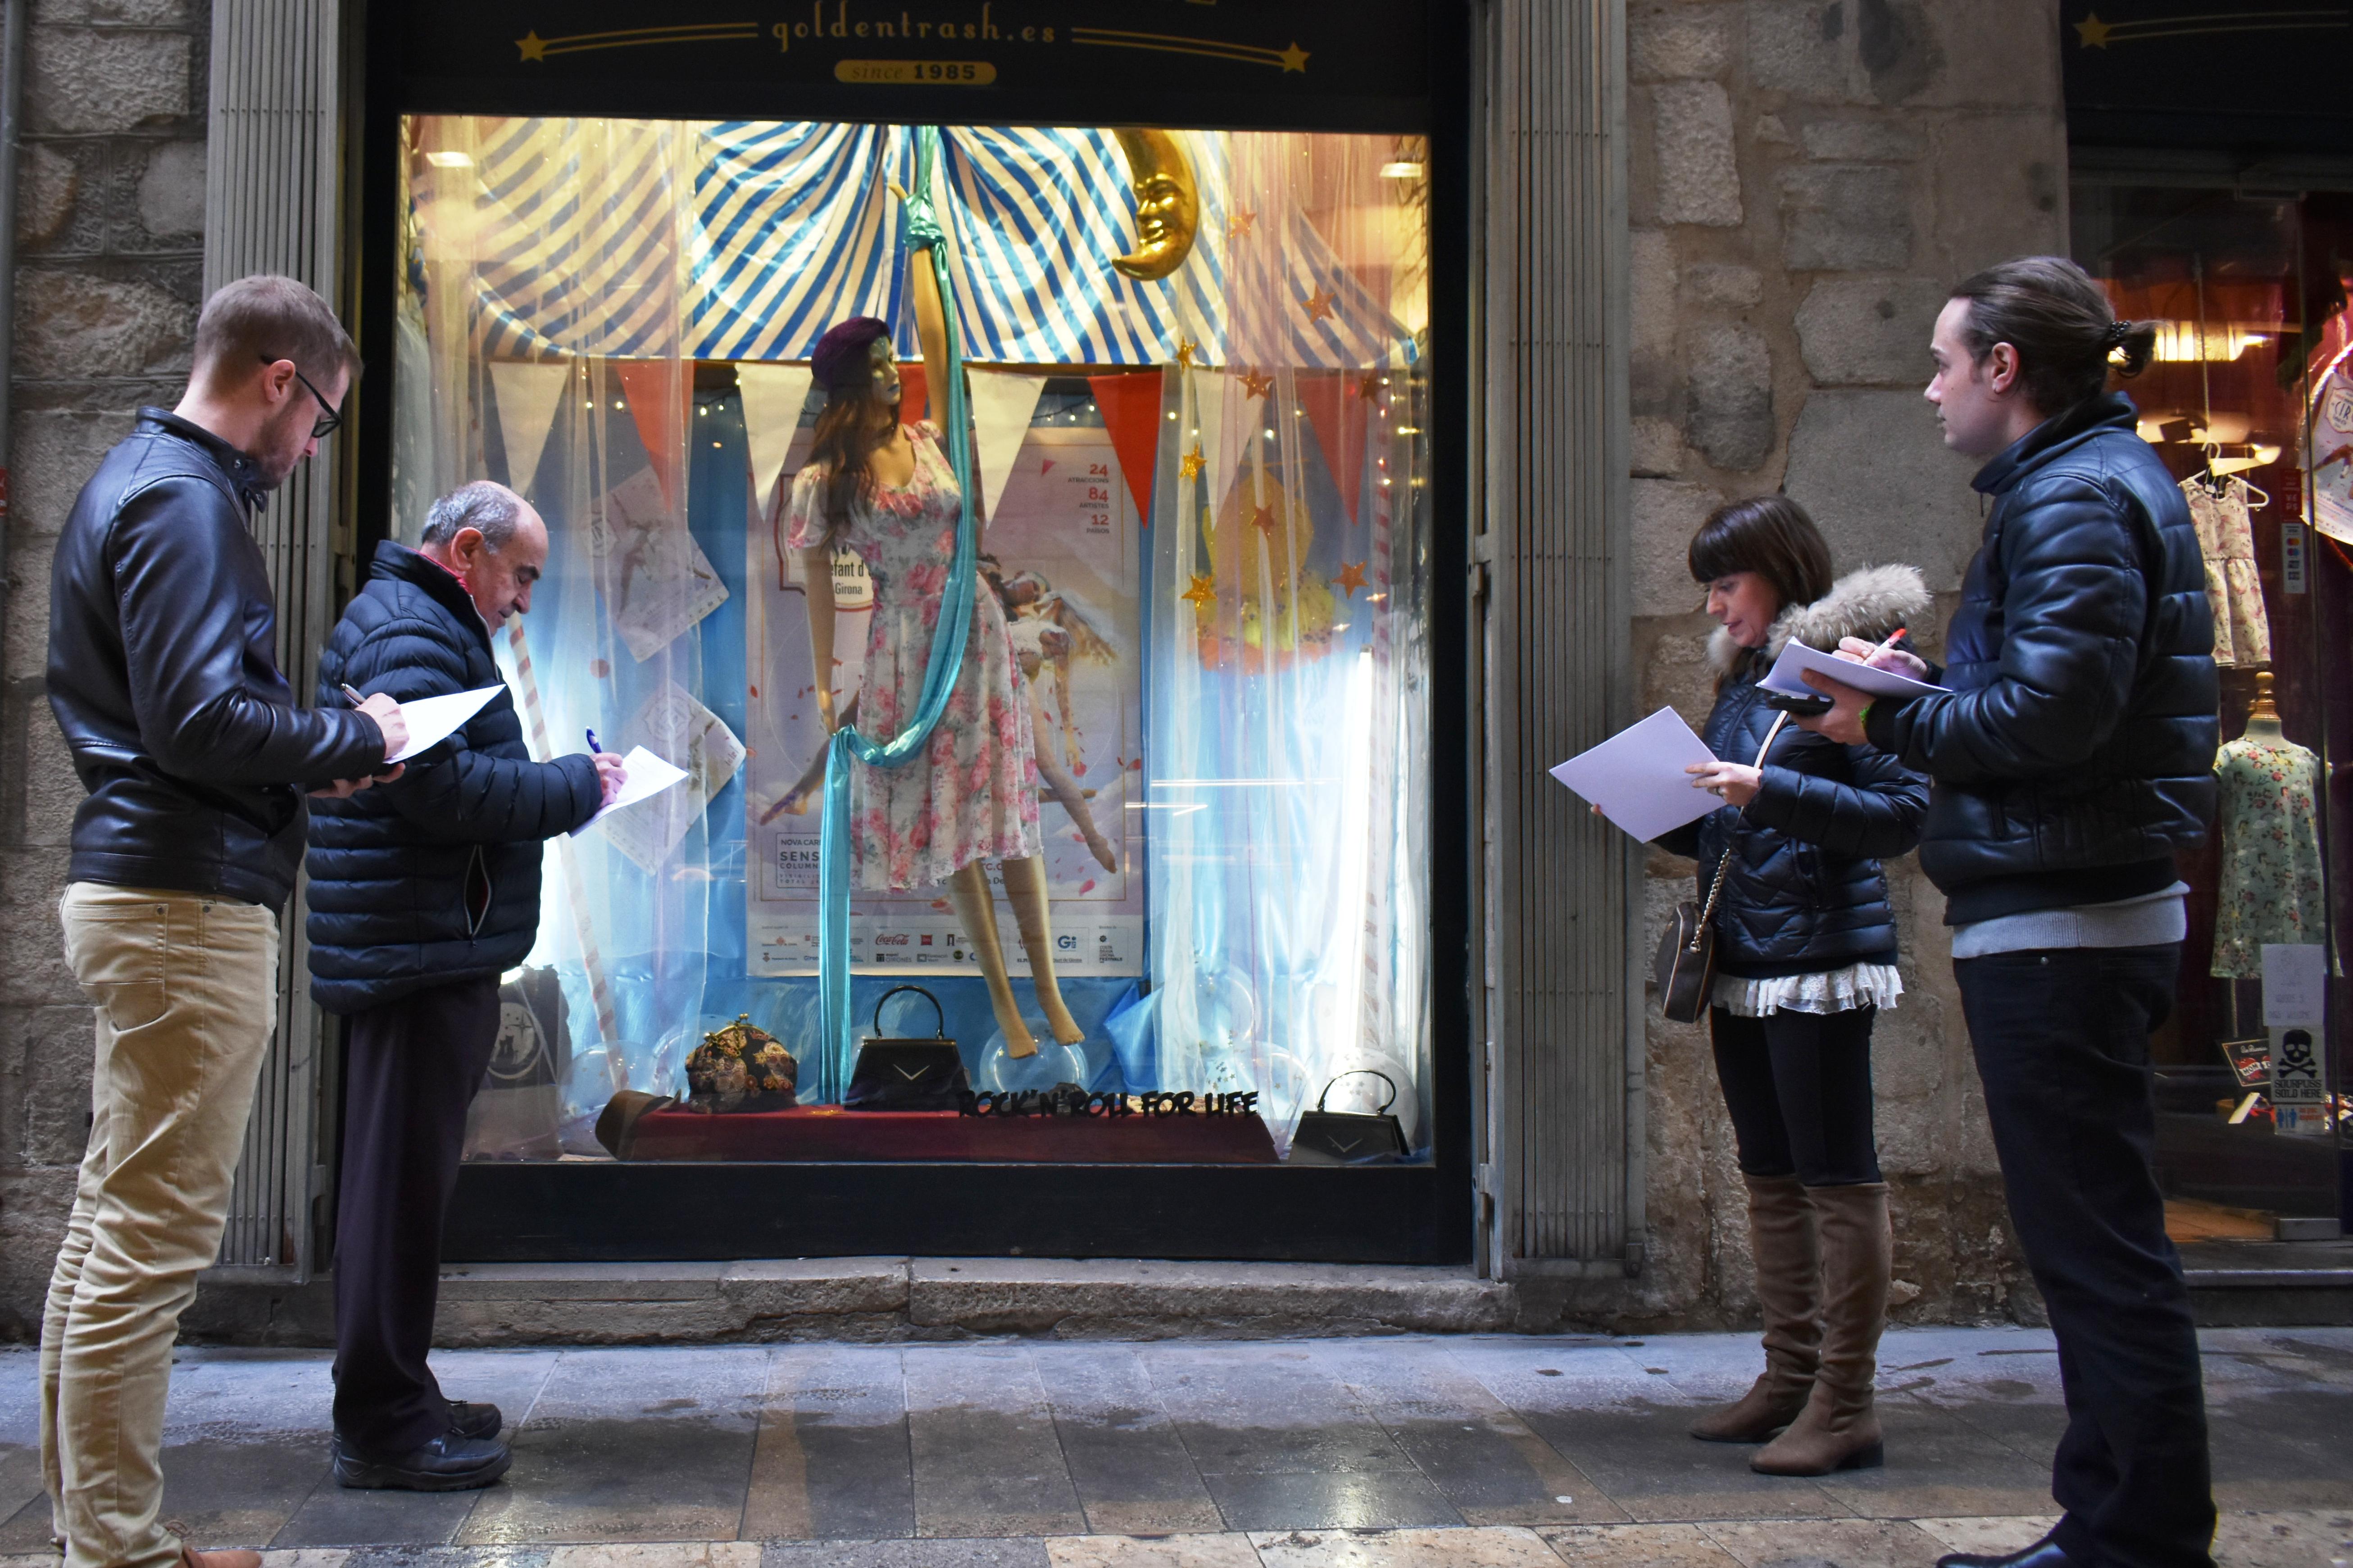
point(328, 421)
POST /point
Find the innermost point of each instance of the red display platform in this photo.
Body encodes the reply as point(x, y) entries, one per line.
point(827, 1132)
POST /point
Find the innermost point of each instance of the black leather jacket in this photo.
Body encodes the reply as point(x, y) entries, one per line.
point(434, 877)
point(1805, 892)
point(163, 676)
point(2075, 753)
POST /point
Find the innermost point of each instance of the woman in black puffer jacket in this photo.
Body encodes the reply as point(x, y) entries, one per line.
point(1805, 958)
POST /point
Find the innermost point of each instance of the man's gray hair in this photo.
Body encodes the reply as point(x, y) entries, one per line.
point(491, 508)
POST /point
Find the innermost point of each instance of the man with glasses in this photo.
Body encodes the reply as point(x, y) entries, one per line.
point(163, 675)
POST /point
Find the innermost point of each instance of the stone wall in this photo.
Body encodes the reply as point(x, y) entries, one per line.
point(1809, 177)
point(110, 257)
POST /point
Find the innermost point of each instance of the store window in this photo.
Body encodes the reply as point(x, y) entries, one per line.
point(2249, 402)
point(1197, 368)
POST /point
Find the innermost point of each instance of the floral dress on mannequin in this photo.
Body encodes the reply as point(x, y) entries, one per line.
point(2271, 888)
point(974, 795)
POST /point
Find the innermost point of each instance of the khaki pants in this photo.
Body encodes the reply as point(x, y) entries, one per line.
point(186, 990)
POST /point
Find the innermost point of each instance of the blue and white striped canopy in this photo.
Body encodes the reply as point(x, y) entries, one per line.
point(787, 227)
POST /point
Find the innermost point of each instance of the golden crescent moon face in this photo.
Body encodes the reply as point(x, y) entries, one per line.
point(1167, 208)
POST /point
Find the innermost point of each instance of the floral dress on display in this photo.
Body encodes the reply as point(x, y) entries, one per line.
point(973, 792)
point(2271, 888)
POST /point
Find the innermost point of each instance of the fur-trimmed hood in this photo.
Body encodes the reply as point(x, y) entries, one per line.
point(1870, 602)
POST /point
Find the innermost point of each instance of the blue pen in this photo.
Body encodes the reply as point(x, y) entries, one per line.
point(593, 746)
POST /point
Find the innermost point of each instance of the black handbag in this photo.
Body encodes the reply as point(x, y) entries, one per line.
point(911, 1074)
point(1352, 1135)
point(1684, 968)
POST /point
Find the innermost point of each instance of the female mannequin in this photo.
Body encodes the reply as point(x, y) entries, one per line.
point(884, 488)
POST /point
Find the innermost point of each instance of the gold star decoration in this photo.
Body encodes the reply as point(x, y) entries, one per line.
point(1239, 226)
point(532, 46)
point(1262, 517)
point(1368, 385)
point(1351, 577)
point(1190, 465)
point(1185, 350)
point(2092, 33)
point(1294, 59)
point(1255, 385)
point(1319, 304)
point(1201, 594)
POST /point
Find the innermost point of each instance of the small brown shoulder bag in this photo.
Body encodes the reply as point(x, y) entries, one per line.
point(1684, 965)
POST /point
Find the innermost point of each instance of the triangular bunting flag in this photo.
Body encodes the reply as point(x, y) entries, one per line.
point(661, 398)
point(1338, 415)
point(914, 394)
point(774, 396)
point(1132, 412)
point(1002, 403)
point(527, 394)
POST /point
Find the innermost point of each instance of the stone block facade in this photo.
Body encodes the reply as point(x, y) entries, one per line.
point(109, 264)
point(1808, 178)
point(1878, 150)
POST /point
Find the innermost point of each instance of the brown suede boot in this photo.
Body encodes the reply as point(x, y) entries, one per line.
point(1838, 1429)
point(1788, 1289)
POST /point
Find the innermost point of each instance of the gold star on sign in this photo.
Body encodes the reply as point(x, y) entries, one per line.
point(1368, 385)
point(1294, 59)
point(1186, 349)
point(1262, 517)
point(532, 46)
point(1351, 577)
point(1319, 304)
point(1255, 385)
point(1239, 226)
point(1190, 464)
point(1202, 595)
point(2092, 33)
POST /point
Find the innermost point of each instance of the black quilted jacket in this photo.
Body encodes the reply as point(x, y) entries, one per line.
point(433, 878)
point(1805, 892)
point(2074, 754)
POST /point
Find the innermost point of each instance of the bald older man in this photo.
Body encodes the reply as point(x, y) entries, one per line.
point(422, 893)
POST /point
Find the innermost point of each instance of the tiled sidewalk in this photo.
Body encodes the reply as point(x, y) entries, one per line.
point(1471, 1451)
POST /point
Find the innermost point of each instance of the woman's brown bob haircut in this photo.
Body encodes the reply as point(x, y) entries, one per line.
point(1770, 535)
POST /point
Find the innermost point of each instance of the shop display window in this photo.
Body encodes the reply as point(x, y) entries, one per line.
point(2249, 402)
point(1198, 371)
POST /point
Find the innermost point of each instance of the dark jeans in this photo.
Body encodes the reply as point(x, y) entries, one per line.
point(1799, 1088)
point(2061, 1041)
point(411, 1067)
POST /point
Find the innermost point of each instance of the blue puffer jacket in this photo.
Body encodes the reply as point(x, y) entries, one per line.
point(1804, 893)
point(433, 878)
point(2075, 752)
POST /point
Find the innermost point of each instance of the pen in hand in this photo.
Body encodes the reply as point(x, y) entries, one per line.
point(1896, 637)
point(346, 688)
point(593, 747)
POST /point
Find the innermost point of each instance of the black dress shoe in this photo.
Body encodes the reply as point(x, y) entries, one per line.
point(450, 1463)
point(474, 1420)
point(2043, 1553)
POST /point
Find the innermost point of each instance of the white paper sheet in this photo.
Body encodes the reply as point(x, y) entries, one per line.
point(647, 775)
point(1637, 776)
point(2296, 983)
point(1797, 657)
point(433, 719)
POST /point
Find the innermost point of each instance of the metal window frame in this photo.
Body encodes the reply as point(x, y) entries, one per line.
point(273, 203)
point(1560, 1024)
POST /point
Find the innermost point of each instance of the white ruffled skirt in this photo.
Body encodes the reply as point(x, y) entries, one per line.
point(1833, 991)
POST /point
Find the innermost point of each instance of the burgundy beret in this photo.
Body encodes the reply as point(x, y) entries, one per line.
point(841, 355)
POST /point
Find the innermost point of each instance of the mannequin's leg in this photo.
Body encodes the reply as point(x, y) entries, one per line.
point(1025, 889)
point(968, 891)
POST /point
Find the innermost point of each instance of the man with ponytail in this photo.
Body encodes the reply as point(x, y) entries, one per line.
point(2070, 761)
